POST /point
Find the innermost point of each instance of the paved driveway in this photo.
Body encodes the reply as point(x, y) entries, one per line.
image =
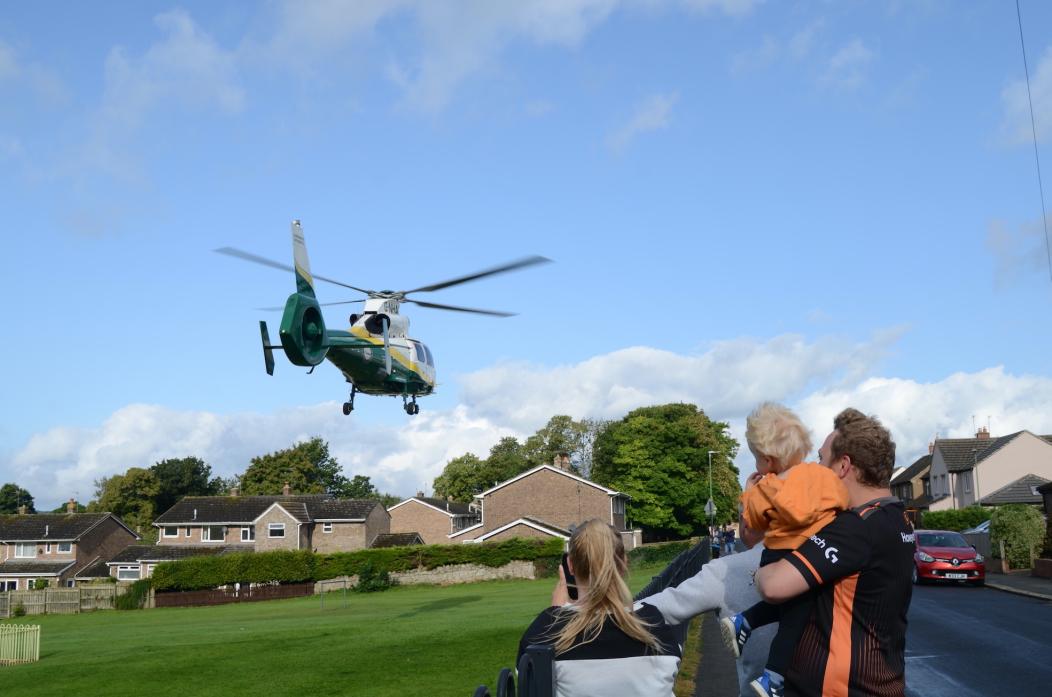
point(976, 642)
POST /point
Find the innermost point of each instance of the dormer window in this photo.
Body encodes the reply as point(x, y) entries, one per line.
point(25, 550)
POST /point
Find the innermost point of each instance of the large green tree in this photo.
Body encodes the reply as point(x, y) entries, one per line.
point(183, 476)
point(560, 435)
point(462, 478)
point(308, 467)
point(12, 496)
point(130, 497)
point(659, 456)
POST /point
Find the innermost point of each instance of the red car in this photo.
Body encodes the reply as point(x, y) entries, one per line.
point(943, 555)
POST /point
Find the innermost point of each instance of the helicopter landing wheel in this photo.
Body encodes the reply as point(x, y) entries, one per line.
point(347, 408)
point(411, 408)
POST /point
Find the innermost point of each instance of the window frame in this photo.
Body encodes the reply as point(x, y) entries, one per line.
point(68, 550)
point(248, 533)
point(208, 529)
point(173, 528)
point(326, 527)
point(21, 545)
point(135, 568)
point(272, 527)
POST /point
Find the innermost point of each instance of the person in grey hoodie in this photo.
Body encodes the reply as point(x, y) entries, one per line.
point(726, 586)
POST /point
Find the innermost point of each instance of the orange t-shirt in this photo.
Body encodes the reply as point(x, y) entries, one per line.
point(794, 508)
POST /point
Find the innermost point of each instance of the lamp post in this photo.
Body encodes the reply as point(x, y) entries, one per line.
point(711, 506)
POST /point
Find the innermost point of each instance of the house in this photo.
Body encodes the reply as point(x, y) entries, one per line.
point(56, 547)
point(138, 561)
point(983, 470)
point(434, 519)
point(913, 487)
point(397, 539)
point(1046, 493)
point(318, 522)
point(545, 502)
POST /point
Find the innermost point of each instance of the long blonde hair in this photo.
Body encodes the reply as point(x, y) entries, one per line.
point(598, 558)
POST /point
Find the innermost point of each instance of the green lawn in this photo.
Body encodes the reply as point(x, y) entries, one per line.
point(406, 641)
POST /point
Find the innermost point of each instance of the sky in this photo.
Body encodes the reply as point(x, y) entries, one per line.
point(826, 204)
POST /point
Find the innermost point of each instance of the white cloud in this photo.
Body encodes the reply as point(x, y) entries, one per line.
point(801, 43)
point(653, 114)
point(846, 69)
point(1016, 126)
point(772, 50)
point(41, 82)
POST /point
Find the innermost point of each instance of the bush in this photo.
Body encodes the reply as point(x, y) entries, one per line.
point(658, 553)
point(1047, 552)
point(372, 580)
point(1023, 531)
point(19, 610)
point(135, 597)
point(299, 566)
point(958, 520)
point(40, 584)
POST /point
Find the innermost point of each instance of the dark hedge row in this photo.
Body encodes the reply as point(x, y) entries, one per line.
point(298, 566)
point(658, 552)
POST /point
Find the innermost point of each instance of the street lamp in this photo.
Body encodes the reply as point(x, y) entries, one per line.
point(710, 508)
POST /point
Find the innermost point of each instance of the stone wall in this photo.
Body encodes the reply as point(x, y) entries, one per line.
point(444, 575)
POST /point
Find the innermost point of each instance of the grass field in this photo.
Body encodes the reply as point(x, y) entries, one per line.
point(421, 640)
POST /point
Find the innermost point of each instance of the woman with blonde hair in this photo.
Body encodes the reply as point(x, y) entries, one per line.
point(601, 646)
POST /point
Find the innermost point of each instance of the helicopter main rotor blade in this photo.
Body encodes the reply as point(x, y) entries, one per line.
point(282, 307)
point(512, 266)
point(256, 259)
point(474, 310)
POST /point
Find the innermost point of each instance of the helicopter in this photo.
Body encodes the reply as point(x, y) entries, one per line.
point(376, 354)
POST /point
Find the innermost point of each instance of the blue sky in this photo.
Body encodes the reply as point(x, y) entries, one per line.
point(819, 203)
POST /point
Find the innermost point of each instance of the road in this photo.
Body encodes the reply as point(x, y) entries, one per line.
point(975, 642)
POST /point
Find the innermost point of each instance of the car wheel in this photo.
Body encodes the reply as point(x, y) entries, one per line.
point(916, 577)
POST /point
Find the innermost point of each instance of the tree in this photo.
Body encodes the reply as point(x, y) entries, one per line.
point(307, 467)
point(560, 435)
point(130, 497)
point(506, 459)
point(179, 477)
point(659, 456)
point(12, 496)
point(61, 508)
point(462, 478)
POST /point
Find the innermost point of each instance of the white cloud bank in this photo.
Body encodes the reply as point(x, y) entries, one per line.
point(1017, 127)
point(818, 378)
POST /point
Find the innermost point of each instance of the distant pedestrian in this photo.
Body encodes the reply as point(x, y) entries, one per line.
point(728, 541)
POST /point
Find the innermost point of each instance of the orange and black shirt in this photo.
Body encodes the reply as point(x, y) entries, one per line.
point(860, 568)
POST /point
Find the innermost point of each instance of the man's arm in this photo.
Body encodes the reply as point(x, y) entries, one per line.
point(837, 550)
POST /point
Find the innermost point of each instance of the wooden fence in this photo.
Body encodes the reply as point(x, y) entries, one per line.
point(58, 601)
point(19, 643)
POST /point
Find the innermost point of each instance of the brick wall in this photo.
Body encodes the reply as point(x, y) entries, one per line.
point(414, 516)
point(105, 540)
point(548, 496)
point(276, 514)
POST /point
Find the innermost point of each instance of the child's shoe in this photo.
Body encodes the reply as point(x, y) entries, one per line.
point(769, 684)
point(736, 631)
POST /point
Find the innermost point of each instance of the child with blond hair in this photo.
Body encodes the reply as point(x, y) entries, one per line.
point(791, 500)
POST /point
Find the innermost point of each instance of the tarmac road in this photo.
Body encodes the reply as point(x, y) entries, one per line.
point(977, 642)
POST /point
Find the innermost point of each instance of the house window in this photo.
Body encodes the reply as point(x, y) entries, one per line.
point(213, 533)
point(248, 534)
point(25, 550)
point(619, 506)
point(276, 530)
point(326, 527)
point(30, 582)
point(171, 532)
point(65, 547)
point(70, 583)
point(186, 532)
point(967, 482)
point(127, 573)
point(927, 487)
point(47, 548)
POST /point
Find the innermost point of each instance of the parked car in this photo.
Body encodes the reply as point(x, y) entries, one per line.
point(981, 527)
point(943, 555)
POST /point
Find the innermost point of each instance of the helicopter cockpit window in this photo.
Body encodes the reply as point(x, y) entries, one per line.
point(427, 352)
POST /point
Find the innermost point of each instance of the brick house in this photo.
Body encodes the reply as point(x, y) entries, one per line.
point(434, 519)
point(318, 522)
point(545, 502)
point(56, 547)
point(137, 561)
point(969, 471)
point(912, 486)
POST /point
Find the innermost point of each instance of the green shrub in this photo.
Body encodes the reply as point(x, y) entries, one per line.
point(958, 520)
point(1047, 551)
point(299, 566)
point(19, 610)
point(1023, 531)
point(658, 553)
point(40, 584)
point(135, 597)
point(372, 579)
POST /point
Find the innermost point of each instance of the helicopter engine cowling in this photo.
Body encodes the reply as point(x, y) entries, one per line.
point(303, 331)
point(397, 325)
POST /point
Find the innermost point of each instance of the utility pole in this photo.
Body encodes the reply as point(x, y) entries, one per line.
point(710, 506)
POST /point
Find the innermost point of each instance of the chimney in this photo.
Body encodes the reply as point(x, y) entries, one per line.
point(71, 507)
point(22, 509)
point(420, 494)
point(983, 433)
point(931, 447)
point(235, 491)
point(562, 461)
point(286, 490)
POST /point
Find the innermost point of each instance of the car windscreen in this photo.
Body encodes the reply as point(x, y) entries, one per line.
point(941, 539)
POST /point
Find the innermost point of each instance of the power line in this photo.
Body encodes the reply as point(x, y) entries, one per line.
point(1033, 129)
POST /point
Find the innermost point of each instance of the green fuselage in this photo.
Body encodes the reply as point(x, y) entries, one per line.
point(361, 361)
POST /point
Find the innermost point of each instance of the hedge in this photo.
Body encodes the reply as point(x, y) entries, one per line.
point(958, 520)
point(658, 553)
point(197, 573)
point(1023, 531)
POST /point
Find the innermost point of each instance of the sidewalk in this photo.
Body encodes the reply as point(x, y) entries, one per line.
point(717, 674)
point(1021, 583)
